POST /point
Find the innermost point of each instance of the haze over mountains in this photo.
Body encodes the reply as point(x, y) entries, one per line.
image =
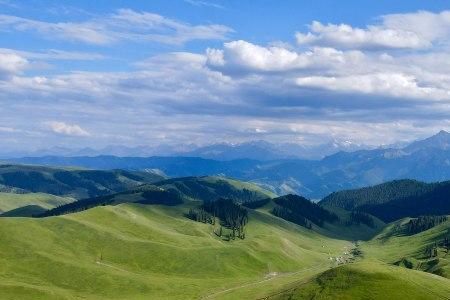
point(259, 150)
point(427, 160)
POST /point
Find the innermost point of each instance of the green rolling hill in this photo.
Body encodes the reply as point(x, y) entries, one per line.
point(136, 251)
point(161, 240)
point(394, 245)
point(10, 201)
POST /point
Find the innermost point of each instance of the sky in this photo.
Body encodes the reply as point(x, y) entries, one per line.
point(97, 73)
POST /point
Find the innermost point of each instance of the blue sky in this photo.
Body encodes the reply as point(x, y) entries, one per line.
point(95, 73)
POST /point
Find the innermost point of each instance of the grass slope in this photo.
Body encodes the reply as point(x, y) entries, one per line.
point(354, 232)
point(10, 201)
point(393, 246)
point(133, 251)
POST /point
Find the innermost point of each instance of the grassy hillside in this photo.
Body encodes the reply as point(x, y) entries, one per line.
point(138, 251)
point(76, 183)
point(128, 246)
point(369, 280)
point(10, 201)
point(394, 246)
point(352, 231)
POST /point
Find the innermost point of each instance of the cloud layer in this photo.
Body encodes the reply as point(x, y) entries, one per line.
point(123, 25)
point(387, 81)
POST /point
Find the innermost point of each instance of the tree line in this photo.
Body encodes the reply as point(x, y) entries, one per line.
point(302, 211)
point(148, 196)
point(232, 215)
point(359, 217)
point(423, 223)
point(288, 215)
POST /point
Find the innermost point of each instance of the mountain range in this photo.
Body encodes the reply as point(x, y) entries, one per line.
point(257, 150)
point(426, 160)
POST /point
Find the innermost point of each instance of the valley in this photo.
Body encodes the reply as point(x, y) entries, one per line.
point(139, 243)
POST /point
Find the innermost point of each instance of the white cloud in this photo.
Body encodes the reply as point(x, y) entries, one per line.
point(11, 64)
point(7, 129)
point(53, 54)
point(67, 129)
point(433, 27)
point(398, 31)
point(125, 24)
point(88, 32)
point(204, 3)
point(388, 84)
point(241, 55)
point(348, 37)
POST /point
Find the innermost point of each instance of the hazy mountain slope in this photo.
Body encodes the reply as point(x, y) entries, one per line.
point(255, 150)
point(75, 183)
point(141, 252)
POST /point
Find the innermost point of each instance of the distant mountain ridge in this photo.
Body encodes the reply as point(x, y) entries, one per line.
point(264, 151)
point(257, 150)
point(427, 160)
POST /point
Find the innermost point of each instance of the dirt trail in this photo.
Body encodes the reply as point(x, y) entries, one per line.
point(346, 252)
point(210, 296)
point(111, 266)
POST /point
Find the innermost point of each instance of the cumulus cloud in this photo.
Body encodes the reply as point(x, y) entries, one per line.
point(67, 129)
point(124, 24)
point(244, 56)
point(397, 31)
